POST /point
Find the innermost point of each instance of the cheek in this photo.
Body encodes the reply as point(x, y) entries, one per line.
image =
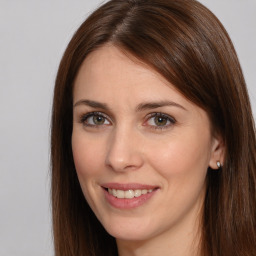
point(182, 164)
point(185, 155)
point(87, 155)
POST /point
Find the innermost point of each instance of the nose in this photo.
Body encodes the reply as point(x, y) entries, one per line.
point(124, 151)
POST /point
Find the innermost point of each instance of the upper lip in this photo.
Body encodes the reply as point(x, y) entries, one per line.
point(128, 186)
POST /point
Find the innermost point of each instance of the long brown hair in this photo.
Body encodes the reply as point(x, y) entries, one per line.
point(186, 44)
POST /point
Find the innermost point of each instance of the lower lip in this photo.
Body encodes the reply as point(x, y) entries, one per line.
point(124, 203)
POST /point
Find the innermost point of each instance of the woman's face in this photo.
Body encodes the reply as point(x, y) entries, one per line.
point(140, 148)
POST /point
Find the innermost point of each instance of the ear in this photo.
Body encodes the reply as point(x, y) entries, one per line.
point(217, 153)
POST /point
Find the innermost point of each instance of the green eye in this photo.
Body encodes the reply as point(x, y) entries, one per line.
point(98, 120)
point(95, 119)
point(160, 121)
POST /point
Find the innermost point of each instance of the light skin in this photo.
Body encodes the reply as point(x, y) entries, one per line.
point(133, 127)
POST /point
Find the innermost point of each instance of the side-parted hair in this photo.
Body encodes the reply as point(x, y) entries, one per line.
point(186, 44)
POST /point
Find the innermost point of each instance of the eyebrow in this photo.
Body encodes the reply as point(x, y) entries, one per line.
point(140, 107)
point(91, 103)
point(153, 105)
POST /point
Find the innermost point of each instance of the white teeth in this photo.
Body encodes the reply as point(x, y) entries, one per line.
point(120, 194)
point(144, 192)
point(128, 194)
point(137, 193)
point(114, 192)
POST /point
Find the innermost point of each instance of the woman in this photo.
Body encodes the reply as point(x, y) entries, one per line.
point(153, 139)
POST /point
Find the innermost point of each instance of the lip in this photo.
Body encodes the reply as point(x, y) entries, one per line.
point(124, 203)
point(128, 186)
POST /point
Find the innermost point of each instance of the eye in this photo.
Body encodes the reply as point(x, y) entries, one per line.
point(95, 119)
point(160, 120)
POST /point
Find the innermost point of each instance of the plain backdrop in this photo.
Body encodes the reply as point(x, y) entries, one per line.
point(33, 36)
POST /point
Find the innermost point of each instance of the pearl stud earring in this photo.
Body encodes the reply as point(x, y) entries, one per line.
point(218, 164)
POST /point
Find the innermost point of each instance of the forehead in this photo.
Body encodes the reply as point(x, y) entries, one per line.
point(108, 64)
point(109, 71)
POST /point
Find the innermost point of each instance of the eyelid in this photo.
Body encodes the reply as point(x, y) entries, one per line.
point(159, 114)
point(84, 117)
point(154, 114)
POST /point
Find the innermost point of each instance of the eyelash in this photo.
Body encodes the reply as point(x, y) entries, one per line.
point(84, 120)
point(168, 118)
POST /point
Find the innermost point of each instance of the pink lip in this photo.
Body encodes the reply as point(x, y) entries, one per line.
point(124, 203)
point(132, 186)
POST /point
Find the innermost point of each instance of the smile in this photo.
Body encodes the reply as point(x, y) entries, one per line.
point(128, 194)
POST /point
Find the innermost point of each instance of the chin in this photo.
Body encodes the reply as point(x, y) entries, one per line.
point(130, 230)
point(129, 235)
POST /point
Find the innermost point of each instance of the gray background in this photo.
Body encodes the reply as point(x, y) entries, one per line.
point(33, 36)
